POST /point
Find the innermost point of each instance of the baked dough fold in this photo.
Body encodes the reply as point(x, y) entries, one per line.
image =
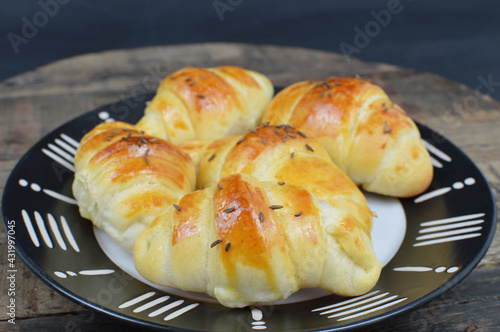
point(244, 241)
point(366, 134)
point(124, 179)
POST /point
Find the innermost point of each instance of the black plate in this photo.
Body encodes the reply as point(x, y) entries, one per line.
point(449, 229)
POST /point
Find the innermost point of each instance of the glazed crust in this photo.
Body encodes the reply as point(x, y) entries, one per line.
point(272, 213)
point(368, 136)
point(243, 250)
point(125, 178)
point(199, 103)
point(279, 154)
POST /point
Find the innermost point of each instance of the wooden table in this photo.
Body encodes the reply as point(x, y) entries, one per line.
point(36, 102)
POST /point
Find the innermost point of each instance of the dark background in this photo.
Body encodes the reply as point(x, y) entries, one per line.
point(456, 39)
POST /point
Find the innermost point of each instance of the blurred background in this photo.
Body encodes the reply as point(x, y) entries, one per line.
point(456, 39)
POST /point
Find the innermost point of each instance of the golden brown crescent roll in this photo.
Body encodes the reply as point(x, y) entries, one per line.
point(369, 137)
point(124, 179)
point(279, 154)
point(198, 103)
point(244, 241)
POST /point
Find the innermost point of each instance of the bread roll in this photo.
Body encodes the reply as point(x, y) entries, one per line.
point(279, 154)
point(198, 103)
point(368, 136)
point(244, 241)
point(124, 179)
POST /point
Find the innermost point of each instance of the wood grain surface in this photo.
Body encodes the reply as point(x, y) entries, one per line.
point(36, 102)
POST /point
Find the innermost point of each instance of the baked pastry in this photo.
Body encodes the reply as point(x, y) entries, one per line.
point(368, 136)
point(280, 154)
point(273, 213)
point(197, 103)
point(124, 179)
point(244, 241)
